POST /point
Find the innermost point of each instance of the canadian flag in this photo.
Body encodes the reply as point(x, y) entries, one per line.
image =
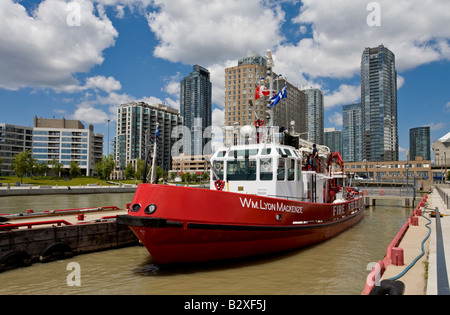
point(261, 91)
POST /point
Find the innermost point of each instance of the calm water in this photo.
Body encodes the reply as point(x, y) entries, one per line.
point(337, 266)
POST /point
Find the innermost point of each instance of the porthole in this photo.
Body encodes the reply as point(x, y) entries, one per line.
point(150, 209)
point(136, 207)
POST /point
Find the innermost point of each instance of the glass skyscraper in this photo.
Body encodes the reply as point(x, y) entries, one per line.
point(419, 143)
point(379, 104)
point(314, 114)
point(196, 106)
point(352, 133)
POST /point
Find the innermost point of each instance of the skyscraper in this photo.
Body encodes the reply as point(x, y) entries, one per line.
point(314, 114)
point(240, 87)
point(352, 133)
point(379, 104)
point(333, 139)
point(419, 143)
point(196, 106)
point(136, 128)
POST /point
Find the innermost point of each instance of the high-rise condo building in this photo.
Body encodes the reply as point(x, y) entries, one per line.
point(196, 107)
point(314, 114)
point(352, 133)
point(241, 83)
point(379, 104)
point(136, 128)
point(13, 140)
point(333, 139)
point(419, 143)
point(66, 141)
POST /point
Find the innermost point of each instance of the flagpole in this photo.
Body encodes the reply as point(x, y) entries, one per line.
point(154, 153)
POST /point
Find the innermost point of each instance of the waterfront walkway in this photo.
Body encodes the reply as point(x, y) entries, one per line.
point(429, 274)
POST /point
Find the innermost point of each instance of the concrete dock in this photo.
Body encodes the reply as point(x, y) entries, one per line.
point(420, 259)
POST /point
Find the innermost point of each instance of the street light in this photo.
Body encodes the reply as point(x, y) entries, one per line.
point(108, 121)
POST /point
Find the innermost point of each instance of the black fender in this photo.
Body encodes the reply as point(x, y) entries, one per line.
point(14, 258)
point(389, 287)
point(55, 251)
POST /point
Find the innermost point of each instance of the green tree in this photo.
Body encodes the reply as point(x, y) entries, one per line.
point(41, 168)
point(129, 171)
point(56, 167)
point(75, 170)
point(21, 164)
point(104, 167)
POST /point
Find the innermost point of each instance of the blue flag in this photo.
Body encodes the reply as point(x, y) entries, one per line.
point(278, 97)
point(157, 134)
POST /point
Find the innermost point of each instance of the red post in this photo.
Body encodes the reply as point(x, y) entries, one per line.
point(397, 256)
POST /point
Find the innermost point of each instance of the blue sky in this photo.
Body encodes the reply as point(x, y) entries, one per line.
point(81, 59)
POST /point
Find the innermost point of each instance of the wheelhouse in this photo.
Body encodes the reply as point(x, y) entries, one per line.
point(272, 170)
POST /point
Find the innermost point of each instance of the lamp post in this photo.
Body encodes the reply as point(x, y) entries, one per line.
point(108, 121)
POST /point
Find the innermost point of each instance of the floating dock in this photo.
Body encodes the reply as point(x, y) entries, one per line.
point(52, 235)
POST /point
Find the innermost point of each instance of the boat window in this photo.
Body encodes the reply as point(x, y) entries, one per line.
point(243, 153)
point(241, 170)
point(265, 171)
point(221, 153)
point(288, 152)
point(299, 170)
point(266, 151)
point(281, 169)
point(291, 169)
point(218, 169)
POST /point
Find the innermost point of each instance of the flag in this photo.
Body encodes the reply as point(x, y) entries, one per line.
point(261, 91)
point(157, 134)
point(278, 97)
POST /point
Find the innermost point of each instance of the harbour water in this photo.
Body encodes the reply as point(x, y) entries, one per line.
point(336, 266)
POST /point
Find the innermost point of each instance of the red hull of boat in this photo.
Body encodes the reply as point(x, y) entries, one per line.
point(193, 225)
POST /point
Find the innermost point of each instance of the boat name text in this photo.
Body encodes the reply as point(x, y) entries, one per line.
point(351, 206)
point(270, 206)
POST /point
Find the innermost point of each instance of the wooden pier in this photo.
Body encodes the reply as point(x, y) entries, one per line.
point(53, 235)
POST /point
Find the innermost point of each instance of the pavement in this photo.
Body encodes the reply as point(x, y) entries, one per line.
point(421, 277)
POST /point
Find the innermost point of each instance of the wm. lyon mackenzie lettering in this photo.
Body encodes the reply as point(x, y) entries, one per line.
point(270, 206)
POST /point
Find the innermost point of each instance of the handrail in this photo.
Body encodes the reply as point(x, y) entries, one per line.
point(29, 225)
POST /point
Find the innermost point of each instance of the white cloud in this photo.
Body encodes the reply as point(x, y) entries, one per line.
point(335, 119)
point(43, 50)
point(346, 94)
point(412, 29)
point(447, 107)
point(218, 118)
point(100, 82)
point(210, 32)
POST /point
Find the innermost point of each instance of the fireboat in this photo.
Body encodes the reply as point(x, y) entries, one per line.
point(262, 199)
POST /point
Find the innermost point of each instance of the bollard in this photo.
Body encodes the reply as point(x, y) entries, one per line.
point(397, 256)
point(414, 221)
point(81, 217)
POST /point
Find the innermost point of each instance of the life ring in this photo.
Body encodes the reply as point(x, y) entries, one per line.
point(365, 192)
point(382, 193)
point(389, 287)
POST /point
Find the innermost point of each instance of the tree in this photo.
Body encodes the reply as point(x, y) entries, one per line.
point(129, 171)
point(105, 167)
point(57, 167)
point(21, 164)
point(75, 170)
point(41, 168)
